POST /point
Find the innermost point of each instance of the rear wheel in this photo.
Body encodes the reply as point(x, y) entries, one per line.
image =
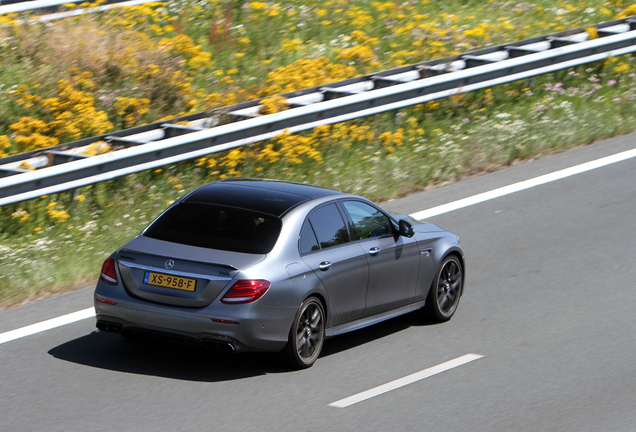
point(307, 334)
point(443, 297)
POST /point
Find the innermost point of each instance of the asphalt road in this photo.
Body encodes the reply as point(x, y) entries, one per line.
point(550, 304)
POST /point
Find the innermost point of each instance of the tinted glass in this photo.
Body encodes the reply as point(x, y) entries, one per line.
point(217, 227)
point(368, 221)
point(308, 240)
point(329, 226)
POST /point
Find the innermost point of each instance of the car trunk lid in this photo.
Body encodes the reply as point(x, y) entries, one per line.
point(178, 275)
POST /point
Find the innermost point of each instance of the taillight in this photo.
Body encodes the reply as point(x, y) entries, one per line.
point(108, 273)
point(246, 291)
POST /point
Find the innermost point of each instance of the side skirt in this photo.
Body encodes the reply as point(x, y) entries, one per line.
point(367, 321)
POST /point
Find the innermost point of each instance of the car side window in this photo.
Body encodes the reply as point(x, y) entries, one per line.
point(329, 226)
point(308, 242)
point(368, 221)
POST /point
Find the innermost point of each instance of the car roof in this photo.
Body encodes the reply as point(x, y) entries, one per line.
point(272, 197)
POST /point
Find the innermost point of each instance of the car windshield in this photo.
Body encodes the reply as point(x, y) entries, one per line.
point(217, 227)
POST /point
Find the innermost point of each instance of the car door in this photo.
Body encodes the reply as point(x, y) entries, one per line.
point(393, 259)
point(341, 265)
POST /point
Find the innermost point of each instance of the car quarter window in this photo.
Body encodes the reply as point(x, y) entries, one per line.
point(329, 226)
point(308, 242)
point(369, 222)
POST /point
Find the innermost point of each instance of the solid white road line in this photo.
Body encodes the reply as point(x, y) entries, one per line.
point(47, 325)
point(526, 184)
point(401, 382)
point(445, 208)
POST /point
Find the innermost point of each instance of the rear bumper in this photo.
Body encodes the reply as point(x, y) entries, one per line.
point(216, 343)
point(260, 327)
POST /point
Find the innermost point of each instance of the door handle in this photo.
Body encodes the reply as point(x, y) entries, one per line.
point(374, 251)
point(324, 266)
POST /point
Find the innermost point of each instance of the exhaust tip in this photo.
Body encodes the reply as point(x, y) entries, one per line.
point(108, 326)
point(222, 346)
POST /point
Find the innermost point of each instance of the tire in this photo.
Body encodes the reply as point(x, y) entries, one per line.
point(446, 290)
point(306, 335)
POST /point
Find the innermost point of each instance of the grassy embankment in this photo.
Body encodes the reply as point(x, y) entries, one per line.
point(81, 77)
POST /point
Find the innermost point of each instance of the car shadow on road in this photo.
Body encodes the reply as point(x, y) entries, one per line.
point(363, 336)
point(170, 360)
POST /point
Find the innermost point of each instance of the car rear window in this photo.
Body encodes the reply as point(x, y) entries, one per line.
point(217, 227)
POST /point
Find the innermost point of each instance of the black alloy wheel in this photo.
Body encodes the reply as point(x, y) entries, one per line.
point(446, 290)
point(307, 334)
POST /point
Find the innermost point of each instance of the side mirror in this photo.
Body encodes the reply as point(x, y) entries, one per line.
point(406, 229)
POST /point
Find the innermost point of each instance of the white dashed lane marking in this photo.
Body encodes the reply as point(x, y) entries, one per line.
point(47, 325)
point(523, 185)
point(401, 382)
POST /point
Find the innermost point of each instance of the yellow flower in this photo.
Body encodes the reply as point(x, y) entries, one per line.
point(357, 53)
point(131, 109)
point(305, 73)
point(23, 215)
point(631, 10)
point(25, 166)
point(623, 67)
point(258, 5)
point(273, 105)
point(97, 148)
point(4, 144)
point(480, 32)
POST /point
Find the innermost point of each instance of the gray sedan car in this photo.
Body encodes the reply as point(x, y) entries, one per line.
point(262, 265)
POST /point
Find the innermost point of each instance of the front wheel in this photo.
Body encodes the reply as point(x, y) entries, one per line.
point(443, 297)
point(307, 334)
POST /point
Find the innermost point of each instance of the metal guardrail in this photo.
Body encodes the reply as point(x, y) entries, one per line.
point(66, 167)
point(23, 6)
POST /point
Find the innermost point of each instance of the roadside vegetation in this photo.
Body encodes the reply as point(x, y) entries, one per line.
point(75, 78)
